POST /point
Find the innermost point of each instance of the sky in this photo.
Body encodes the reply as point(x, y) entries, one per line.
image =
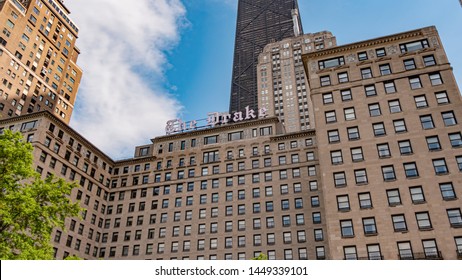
point(148, 61)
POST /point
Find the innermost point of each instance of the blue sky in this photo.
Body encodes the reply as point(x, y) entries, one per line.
point(201, 63)
point(155, 60)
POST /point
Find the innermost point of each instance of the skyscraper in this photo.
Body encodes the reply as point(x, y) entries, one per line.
point(259, 22)
point(38, 58)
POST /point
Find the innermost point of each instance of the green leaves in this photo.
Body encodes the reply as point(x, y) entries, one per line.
point(29, 207)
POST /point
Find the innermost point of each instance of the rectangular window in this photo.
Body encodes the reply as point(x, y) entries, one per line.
point(399, 222)
point(369, 226)
point(405, 147)
point(389, 87)
point(429, 60)
point(380, 52)
point(388, 173)
point(349, 114)
point(356, 154)
point(435, 79)
point(433, 143)
point(361, 176)
point(385, 69)
point(440, 166)
point(325, 81)
point(235, 136)
point(343, 203)
point(366, 73)
point(362, 56)
point(346, 227)
point(342, 77)
point(365, 201)
point(415, 83)
point(420, 101)
point(346, 95)
point(414, 46)
point(393, 197)
point(332, 62)
point(456, 139)
point(400, 126)
point(330, 117)
point(449, 118)
point(394, 106)
point(447, 191)
point(423, 220)
point(211, 140)
point(327, 98)
point(374, 110)
point(333, 136)
point(336, 157)
point(411, 170)
point(417, 195)
point(455, 218)
point(339, 179)
point(379, 129)
point(442, 97)
point(409, 64)
point(427, 122)
point(405, 251)
point(353, 133)
point(370, 90)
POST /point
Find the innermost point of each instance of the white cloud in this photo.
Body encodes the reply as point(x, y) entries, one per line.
point(121, 101)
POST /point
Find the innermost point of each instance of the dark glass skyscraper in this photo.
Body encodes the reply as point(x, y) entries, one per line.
point(259, 22)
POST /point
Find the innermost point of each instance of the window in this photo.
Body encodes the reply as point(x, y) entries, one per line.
point(339, 179)
point(349, 114)
point(388, 173)
point(210, 140)
point(383, 150)
point(373, 252)
point(420, 101)
point(342, 77)
point(316, 216)
point(417, 195)
point(415, 83)
point(320, 253)
point(400, 126)
point(327, 98)
point(325, 81)
point(414, 46)
point(447, 191)
point(318, 235)
point(399, 222)
point(409, 64)
point(429, 60)
point(365, 201)
point(332, 62)
point(435, 79)
point(442, 97)
point(366, 73)
point(411, 170)
point(330, 117)
point(455, 218)
point(346, 227)
point(343, 203)
point(346, 95)
point(379, 129)
point(433, 143)
point(336, 157)
point(440, 166)
point(423, 220)
point(374, 110)
point(394, 106)
point(357, 154)
point(405, 251)
point(369, 226)
point(235, 136)
point(361, 176)
point(370, 90)
point(456, 139)
point(333, 136)
point(353, 133)
point(459, 162)
point(393, 197)
point(380, 52)
point(449, 118)
point(389, 87)
point(362, 56)
point(427, 122)
point(213, 156)
point(385, 69)
point(405, 147)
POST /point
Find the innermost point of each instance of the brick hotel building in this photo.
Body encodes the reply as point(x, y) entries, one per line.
point(371, 167)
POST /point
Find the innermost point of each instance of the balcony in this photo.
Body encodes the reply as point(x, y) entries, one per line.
point(422, 256)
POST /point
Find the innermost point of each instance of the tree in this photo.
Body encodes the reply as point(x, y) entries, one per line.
point(30, 208)
point(261, 257)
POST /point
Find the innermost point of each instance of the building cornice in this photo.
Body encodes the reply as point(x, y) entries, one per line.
point(293, 135)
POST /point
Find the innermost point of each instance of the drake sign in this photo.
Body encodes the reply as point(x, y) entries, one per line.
point(214, 119)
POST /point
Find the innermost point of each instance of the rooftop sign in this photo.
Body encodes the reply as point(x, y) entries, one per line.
point(214, 119)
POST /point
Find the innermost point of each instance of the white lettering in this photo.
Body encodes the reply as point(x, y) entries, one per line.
point(249, 113)
point(238, 117)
